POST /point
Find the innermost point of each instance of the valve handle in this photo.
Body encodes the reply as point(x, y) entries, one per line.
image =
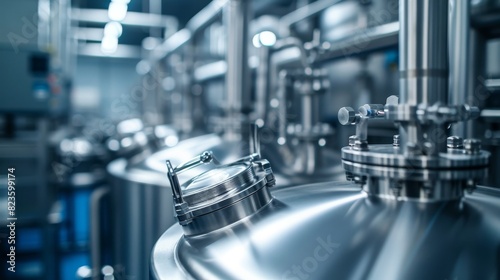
point(347, 116)
point(203, 158)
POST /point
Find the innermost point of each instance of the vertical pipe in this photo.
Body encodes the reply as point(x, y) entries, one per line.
point(95, 230)
point(155, 8)
point(307, 112)
point(309, 105)
point(262, 83)
point(254, 140)
point(44, 25)
point(187, 83)
point(423, 47)
point(283, 95)
point(311, 156)
point(45, 199)
point(477, 76)
point(237, 16)
point(158, 97)
point(459, 37)
point(478, 95)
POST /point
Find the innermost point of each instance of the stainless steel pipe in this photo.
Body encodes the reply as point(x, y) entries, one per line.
point(423, 48)
point(459, 37)
point(237, 77)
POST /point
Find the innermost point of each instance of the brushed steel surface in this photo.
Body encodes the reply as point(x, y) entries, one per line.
point(335, 231)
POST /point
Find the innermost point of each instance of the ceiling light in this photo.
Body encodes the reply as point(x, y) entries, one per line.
point(113, 29)
point(117, 11)
point(109, 44)
point(256, 40)
point(267, 38)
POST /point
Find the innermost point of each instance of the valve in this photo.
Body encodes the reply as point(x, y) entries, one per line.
point(347, 116)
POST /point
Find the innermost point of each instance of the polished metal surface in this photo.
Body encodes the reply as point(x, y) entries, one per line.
point(423, 63)
point(142, 199)
point(388, 155)
point(209, 184)
point(402, 170)
point(423, 45)
point(418, 165)
point(221, 195)
point(334, 230)
point(238, 73)
point(459, 37)
point(414, 210)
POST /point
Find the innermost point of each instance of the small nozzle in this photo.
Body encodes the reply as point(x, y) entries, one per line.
point(372, 111)
point(206, 157)
point(347, 116)
point(392, 100)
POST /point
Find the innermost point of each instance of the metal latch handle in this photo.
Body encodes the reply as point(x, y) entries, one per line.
point(204, 158)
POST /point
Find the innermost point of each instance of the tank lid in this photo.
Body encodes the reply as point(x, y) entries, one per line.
point(218, 181)
point(221, 195)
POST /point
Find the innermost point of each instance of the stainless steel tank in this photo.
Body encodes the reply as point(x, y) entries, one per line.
point(133, 137)
point(336, 231)
point(141, 198)
point(233, 225)
point(414, 210)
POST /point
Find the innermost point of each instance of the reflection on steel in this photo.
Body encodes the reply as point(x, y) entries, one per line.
point(237, 75)
point(142, 200)
point(221, 195)
point(423, 67)
point(459, 59)
point(333, 230)
point(419, 167)
point(399, 217)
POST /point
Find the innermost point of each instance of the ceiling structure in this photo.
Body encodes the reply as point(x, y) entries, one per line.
point(145, 18)
point(90, 18)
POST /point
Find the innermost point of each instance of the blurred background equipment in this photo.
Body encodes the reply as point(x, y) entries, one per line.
point(97, 96)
